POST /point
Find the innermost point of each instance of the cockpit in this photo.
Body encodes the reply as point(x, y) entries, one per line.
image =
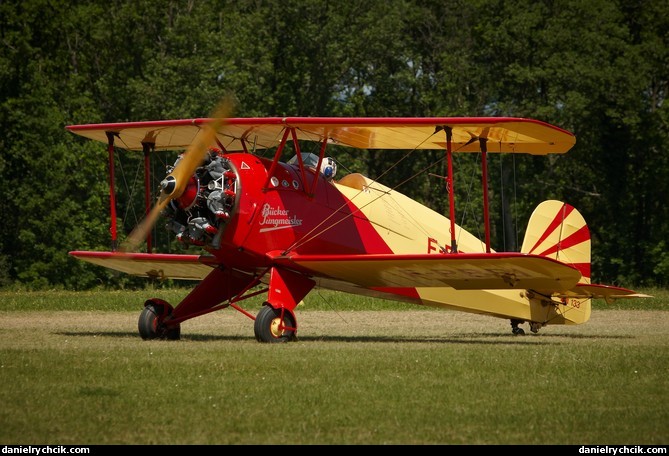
point(328, 166)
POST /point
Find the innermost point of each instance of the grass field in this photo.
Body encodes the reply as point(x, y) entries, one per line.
point(74, 371)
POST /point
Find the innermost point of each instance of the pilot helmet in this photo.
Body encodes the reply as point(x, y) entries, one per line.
point(328, 167)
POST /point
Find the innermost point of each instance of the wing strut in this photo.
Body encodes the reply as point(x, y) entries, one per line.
point(449, 185)
point(324, 143)
point(484, 182)
point(277, 155)
point(147, 147)
point(112, 191)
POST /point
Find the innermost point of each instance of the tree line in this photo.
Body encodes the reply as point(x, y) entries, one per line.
point(598, 69)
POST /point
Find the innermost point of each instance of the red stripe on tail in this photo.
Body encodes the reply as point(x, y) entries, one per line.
point(557, 221)
point(582, 235)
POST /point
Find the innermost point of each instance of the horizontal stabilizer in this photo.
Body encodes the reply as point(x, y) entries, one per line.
point(597, 291)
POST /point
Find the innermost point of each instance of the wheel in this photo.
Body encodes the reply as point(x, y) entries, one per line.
point(268, 327)
point(515, 329)
point(150, 324)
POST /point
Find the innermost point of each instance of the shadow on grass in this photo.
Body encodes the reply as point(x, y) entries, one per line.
point(470, 338)
point(134, 335)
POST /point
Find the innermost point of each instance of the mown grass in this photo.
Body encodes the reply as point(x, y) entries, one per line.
point(74, 371)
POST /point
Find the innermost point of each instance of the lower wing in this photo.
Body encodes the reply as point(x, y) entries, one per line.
point(152, 265)
point(461, 271)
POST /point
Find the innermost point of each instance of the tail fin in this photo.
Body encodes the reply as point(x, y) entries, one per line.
point(557, 230)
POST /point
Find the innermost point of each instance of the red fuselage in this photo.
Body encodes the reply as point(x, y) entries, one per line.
point(291, 213)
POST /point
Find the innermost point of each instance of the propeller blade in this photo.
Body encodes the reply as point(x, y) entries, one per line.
point(195, 154)
point(175, 183)
point(141, 231)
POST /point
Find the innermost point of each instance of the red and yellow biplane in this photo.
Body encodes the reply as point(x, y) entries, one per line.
point(282, 227)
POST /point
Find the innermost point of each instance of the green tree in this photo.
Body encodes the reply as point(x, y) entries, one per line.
point(598, 69)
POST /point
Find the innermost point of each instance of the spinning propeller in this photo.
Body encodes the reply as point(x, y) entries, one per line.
point(175, 183)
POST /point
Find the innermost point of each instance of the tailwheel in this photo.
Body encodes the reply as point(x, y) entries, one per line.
point(515, 329)
point(274, 325)
point(151, 322)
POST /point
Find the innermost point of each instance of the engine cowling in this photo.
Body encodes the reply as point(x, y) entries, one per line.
point(207, 203)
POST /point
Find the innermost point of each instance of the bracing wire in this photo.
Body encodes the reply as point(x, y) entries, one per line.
point(468, 203)
point(310, 235)
point(129, 188)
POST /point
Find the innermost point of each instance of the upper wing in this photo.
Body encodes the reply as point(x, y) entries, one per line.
point(461, 271)
point(153, 265)
point(502, 134)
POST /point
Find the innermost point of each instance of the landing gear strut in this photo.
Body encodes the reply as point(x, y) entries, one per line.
point(515, 329)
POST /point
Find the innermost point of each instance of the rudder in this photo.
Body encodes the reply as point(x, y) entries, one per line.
point(557, 230)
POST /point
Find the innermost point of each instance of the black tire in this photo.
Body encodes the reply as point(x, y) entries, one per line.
point(150, 327)
point(148, 322)
point(515, 329)
point(267, 324)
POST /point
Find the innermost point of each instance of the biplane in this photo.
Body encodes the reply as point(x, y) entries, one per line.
point(264, 225)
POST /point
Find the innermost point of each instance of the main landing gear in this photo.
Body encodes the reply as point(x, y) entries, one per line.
point(271, 325)
point(516, 330)
point(222, 288)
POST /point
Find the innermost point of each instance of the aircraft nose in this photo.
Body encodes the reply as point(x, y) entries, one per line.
point(168, 185)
